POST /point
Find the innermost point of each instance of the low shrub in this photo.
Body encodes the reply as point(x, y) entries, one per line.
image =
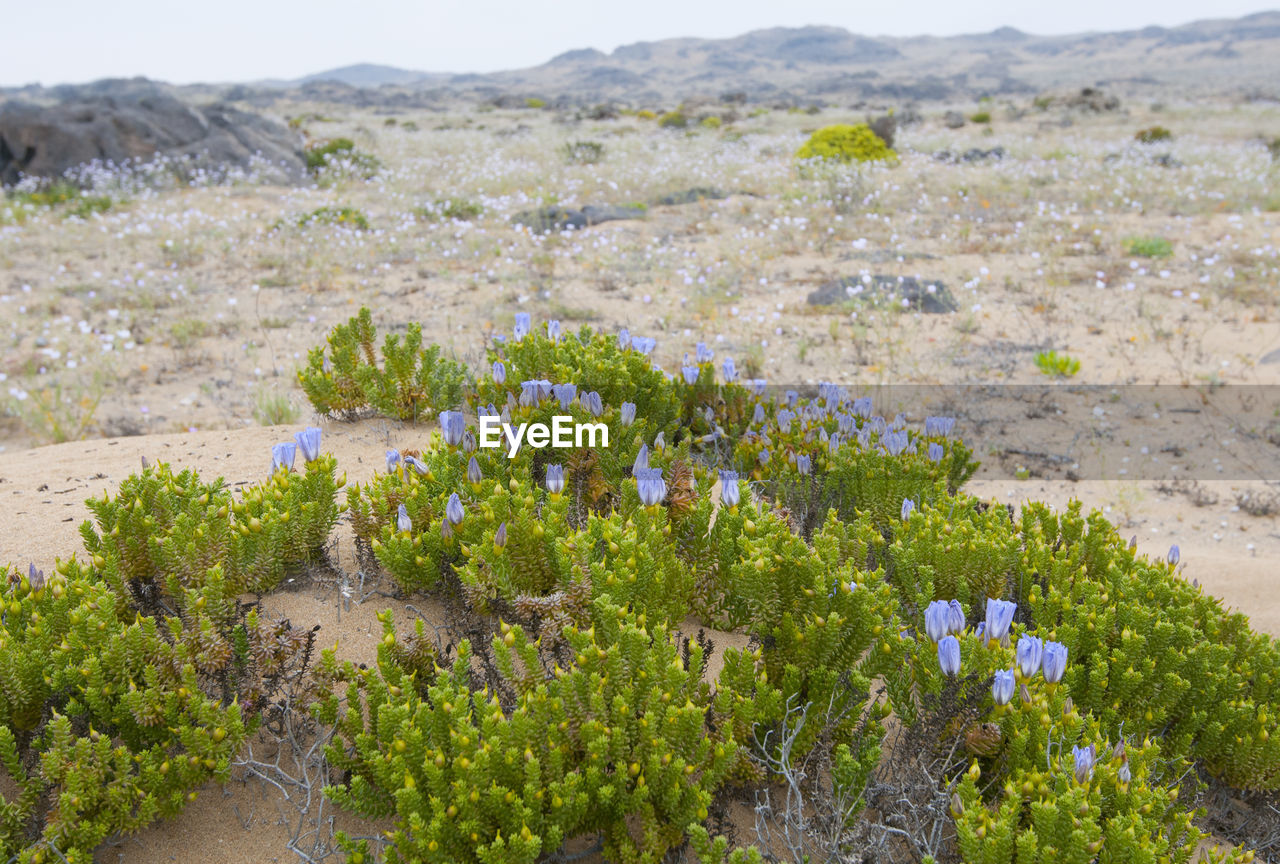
point(583, 152)
point(347, 377)
point(1152, 135)
point(846, 143)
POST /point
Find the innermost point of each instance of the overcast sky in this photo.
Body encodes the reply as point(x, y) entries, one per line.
point(57, 41)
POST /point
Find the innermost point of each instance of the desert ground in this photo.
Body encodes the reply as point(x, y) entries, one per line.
point(170, 326)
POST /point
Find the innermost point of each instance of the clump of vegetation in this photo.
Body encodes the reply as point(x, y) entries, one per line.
point(980, 117)
point(583, 152)
point(1056, 689)
point(535, 102)
point(408, 382)
point(846, 143)
point(673, 120)
point(1148, 247)
point(645, 114)
point(61, 410)
point(50, 195)
point(459, 209)
point(1152, 135)
point(340, 155)
point(711, 122)
point(347, 217)
point(130, 680)
point(1056, 365)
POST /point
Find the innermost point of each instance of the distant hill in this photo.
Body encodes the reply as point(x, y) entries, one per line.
point(825, 63)
point(370, 75)
point(1239, 57)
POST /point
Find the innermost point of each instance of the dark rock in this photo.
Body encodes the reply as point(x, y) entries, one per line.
point(932, 298)
point(909, 116)
point(1271, 357)
point(953, 119)
point(692, 196)
point(139, 125)
point(1093, 99)
point(973, 154)
point(885, 127)
point(610, 213)
point(547, 219)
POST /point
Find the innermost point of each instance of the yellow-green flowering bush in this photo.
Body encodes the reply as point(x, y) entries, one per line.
point(843, 142)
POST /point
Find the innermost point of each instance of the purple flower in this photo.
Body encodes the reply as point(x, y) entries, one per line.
point(416, 465)
point(937, 619)
point(403, 522)
point(949, 655)
point(309, 443)
point(565, 393)
point(624, 339)
point(763, 457)
point(936, 451)
point(784, 421)
point(730, 370)
point(703, 354)
point(643, 344)
point(690, 374)
point(938, 427)
point(555, 479)
point(499, 373)
point(660, 442)
point(393, 459)
point(955, 617)
point(35, 578)
point(804, 464)
point(474, 474)
point(1054, 663)
point(652, 488)
point(453, 510)
point(907, 506)
point(895, 442)
point(553, 330)
point(1002, 687)
point(862, 406)
point(999, 617)
point(452, 425)
point(757, 386)
point(730, 494)
point(1174, 554)
point(628, 413)
point(642, 461)
point(523, 323)
point(593, 403)
point(757, 416)
point(1124, 775)
point(282, 456)
point(1084, 757)
point(1030, 654)
point(500, 536)
point(792, 397)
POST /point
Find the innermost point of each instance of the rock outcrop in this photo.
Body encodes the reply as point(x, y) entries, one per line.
point(140, 124)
